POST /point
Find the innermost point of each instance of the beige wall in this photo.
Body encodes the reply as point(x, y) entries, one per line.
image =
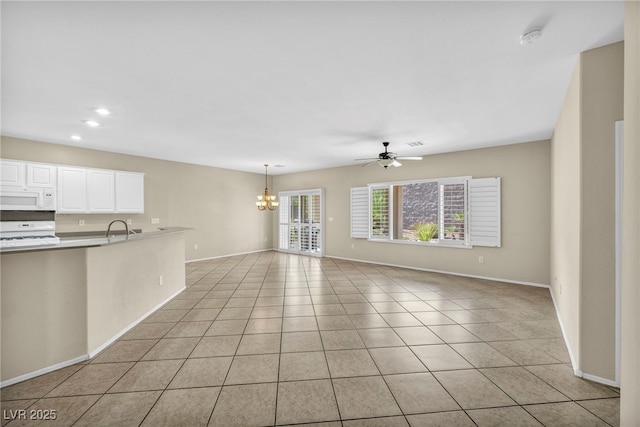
point(219, 204)
point(602, 105)
point(44, 312)
point(525, 173)
point(565, 218)
point(583, 209)
point(123, 283)
point(630, 370)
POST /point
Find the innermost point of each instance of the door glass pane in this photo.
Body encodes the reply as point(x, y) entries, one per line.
point(304, 209)
point(315, 238)
point(294, 212)
point(315, 209)
point(294, 238)
point(304, 238)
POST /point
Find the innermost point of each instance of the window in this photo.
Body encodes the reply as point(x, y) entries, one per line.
point(429, 212)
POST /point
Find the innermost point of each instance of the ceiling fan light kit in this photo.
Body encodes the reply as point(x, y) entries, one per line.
point(388, 158)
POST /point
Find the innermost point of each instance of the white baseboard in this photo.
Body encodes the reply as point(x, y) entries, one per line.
point(43, 371)
point(576, 370)
point(91, 354)
point(110, 341)
point(600, 380)
point(452, 273)
point(228, 255)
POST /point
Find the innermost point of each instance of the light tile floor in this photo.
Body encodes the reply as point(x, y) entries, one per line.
point(278, 339)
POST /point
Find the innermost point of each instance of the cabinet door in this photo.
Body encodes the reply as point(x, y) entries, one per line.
point(72, 190)
point(43, 176)
point(101, 191)
point(12, 173)
point(129, 192)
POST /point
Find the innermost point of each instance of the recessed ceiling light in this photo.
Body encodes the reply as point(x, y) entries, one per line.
point(76, 137)
point(102, 111)
point(92, 123)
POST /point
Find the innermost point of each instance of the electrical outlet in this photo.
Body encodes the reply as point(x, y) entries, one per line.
point(160, 280)
point(129, 221)
point(353, 246)
point(480, 259)
point(155, 220)
point(265, 239)
point(195, 247)
point(81, 222)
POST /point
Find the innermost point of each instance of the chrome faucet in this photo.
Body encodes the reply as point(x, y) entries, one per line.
point(126, 227)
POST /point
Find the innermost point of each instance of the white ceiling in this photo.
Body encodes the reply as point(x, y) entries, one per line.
point(307, 85)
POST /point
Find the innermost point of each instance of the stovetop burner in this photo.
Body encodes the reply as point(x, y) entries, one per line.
point(17, 233)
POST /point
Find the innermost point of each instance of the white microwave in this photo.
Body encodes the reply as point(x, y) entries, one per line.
point(27, 199)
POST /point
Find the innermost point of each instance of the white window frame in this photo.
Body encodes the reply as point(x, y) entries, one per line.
point(486, 212)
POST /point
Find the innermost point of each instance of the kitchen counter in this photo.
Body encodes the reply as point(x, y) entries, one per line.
point(65, 303)
point(96, 240)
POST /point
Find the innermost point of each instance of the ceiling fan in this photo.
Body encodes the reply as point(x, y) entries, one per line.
point(388, 158)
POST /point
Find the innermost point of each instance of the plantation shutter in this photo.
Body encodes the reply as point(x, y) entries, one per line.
point(452, 207)
point(360, 212)
point(380, 212)
point(283, 213)
point(484, 212)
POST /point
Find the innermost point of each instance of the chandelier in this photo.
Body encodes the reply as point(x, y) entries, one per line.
point(266, 200)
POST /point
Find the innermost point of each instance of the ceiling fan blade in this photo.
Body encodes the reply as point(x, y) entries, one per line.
point(368, 164)
point(370, 158)
point(395, 163)
point(408, 158)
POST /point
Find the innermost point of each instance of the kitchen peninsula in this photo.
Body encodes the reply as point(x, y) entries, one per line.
point(64, 303)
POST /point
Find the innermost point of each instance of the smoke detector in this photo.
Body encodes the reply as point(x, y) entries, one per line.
point(530, 36)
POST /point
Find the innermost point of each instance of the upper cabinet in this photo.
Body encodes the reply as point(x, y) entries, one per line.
point(15, 173)
point(72, 190)
point(12, 173)
point(129, 192)
point(99, 191)
point(42, 176)
point(79, 190)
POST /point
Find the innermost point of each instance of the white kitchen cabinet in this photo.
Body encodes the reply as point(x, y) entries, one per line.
point(129, 192)
point(41, 175)
point(12, 173)
point(72, 190)
point(101, 191)
point(79, 190)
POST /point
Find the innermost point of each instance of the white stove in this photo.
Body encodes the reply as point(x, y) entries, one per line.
point(27, 233)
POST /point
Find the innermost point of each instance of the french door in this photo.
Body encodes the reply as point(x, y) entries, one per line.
point(300, 222)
